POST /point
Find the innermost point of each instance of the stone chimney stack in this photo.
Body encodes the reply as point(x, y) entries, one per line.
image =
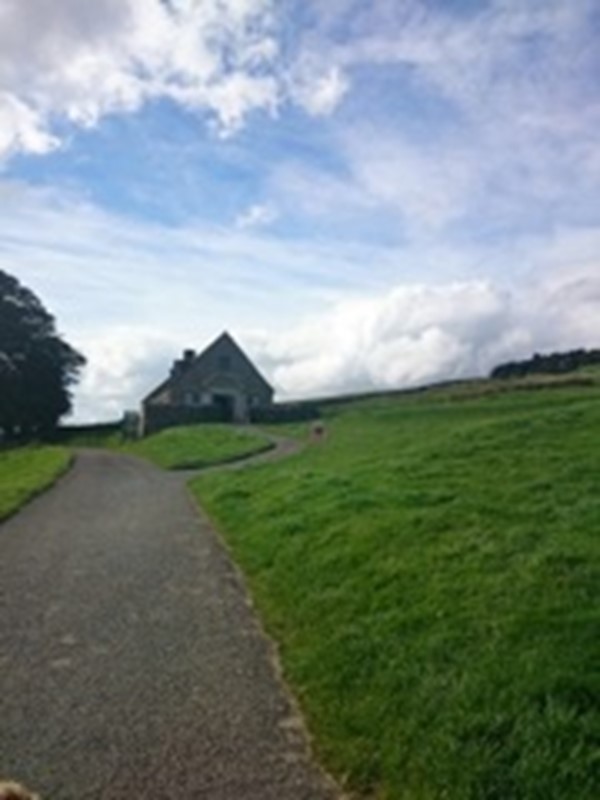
point(180, 365)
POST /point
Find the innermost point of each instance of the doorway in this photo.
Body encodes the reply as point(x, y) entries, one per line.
point(225, 404)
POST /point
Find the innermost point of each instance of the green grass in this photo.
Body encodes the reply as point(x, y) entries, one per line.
point(431, 575)
point(184, 447)
point(196, 446)
point(26, 471)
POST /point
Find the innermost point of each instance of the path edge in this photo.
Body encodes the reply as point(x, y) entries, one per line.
point(297, 720)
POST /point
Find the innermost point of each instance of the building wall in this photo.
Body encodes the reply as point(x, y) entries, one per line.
point(219, 385)
point(222, 372)
point(157, 417)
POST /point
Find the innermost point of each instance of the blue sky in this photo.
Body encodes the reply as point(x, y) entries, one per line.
point(366, 194)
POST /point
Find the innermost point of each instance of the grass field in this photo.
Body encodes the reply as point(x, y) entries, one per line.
point(431, 574)
point(26, 471)
point(185, 447)
point(196, 446)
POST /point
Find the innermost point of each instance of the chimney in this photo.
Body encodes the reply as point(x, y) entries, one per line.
point(177, 368)
point(180, 365)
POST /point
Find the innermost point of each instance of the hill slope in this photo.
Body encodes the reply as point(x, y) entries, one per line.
point(431, 574)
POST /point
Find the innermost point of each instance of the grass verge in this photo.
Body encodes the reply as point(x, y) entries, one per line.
point(197, 446)
point(184, 447)
point(431, 574)
point(26, 471)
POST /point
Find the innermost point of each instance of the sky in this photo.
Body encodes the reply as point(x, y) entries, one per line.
point(365, 193)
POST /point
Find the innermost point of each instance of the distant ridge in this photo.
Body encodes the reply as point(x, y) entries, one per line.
point(551, 364)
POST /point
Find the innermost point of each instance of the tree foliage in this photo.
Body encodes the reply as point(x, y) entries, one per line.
point(551, 364)
point(37, 367)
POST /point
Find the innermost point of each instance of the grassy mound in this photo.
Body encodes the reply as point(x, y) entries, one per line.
point(183, 447)
point(26, 471)
point(196, 446)
point(430, 571)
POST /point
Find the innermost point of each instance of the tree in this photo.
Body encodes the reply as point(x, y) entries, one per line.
point(37, 368)
point(551, 364)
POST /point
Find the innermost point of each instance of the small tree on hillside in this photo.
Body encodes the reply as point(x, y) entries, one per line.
point(37, 368)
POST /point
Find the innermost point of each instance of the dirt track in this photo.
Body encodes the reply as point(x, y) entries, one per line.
point(131, 665)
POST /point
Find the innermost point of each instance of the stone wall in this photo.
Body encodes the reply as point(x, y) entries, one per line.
point(158, 417)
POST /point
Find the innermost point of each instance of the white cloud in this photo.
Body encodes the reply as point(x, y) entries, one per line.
point(519, 79)
point(21, 128)
point(220, 57)
point(428, 186)
point(507, 103)
point(124, 364)
point(91, 59)
point(406, 336)
point(319, 91)
point(424, 187)
point(256, 216)
point(415, 334)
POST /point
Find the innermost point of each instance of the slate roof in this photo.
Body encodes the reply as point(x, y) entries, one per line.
point(172, 380)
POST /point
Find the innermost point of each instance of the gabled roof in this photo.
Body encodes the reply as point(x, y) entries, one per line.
point(157, 390)
point(226, 338)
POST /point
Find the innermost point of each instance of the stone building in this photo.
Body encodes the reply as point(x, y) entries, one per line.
point(218, 384)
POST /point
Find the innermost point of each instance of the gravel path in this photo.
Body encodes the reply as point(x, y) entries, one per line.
point(131, 664)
